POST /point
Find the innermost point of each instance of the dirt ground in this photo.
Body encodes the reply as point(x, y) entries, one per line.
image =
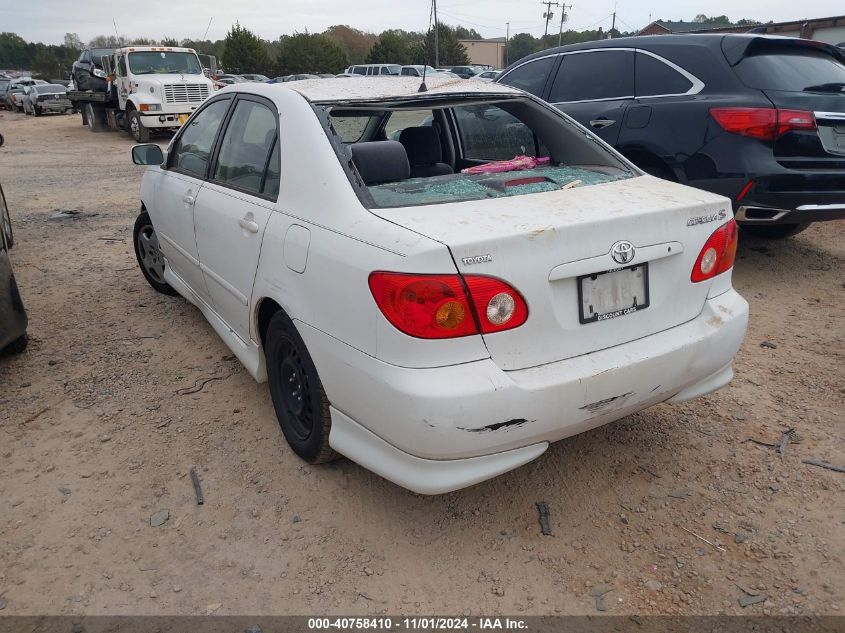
point(672, 509)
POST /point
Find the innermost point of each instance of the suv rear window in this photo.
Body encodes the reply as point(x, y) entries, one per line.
point(793, 70)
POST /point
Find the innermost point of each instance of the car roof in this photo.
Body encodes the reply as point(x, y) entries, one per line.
point(647, 42)
point(388, 88)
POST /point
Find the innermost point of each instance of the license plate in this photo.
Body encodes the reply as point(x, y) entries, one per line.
point(183, 118)
point(613, 294)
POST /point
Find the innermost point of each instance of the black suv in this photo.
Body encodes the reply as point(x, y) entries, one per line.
point(87, 71)
point(756, 118)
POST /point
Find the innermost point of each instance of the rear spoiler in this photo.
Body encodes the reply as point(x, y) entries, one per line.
point(736, 48)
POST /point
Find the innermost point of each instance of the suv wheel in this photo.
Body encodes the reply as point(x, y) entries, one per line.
point(6, 220)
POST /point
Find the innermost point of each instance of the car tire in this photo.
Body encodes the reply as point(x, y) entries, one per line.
point(6, 220)
point(773, 231)
point(94, 118)
point(17, 346)
point(36, 111)
point(299, 400)
point(136, 127)
point(149, 255)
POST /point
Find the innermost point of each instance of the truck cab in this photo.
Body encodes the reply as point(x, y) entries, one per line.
point(151, 88)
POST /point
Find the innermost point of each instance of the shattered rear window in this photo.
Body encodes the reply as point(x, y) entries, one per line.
point(420, 191)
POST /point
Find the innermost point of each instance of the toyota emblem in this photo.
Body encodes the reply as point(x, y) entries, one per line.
point(622, 252)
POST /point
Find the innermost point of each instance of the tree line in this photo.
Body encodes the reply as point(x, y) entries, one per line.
point(331, 51)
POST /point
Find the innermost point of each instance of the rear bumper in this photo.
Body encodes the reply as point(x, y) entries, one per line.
point(440, 429)
point(756, 214)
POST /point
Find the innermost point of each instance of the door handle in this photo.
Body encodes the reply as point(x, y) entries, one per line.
point(188, 199)
point(248, 225)
point(600, 123)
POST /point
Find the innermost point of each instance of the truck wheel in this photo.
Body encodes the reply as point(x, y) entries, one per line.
point(94, 117)
point(140, 133)
point(36, 111)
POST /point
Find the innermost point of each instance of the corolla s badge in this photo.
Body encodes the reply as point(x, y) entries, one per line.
point(622, 252)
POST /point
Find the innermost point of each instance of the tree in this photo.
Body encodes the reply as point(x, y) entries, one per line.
point(108, 41)
point(452, 52)
point(46, 64)
point(462, 33)
point(73, 42)
point(355, 43)
point(390, 48)
point(310, 53)
point(13, 51)
point(521, 45)
point(244, 52)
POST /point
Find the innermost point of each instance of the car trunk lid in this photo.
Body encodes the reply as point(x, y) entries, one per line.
point(544, 243)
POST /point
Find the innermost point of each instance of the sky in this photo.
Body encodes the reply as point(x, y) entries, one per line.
point(48, 20)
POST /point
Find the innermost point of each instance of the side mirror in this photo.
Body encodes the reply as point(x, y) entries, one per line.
point(147, 154)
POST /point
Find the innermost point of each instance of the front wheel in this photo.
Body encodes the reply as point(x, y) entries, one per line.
point(140, 133)
point(772, 231)
point(301, 405)
point(149, 256)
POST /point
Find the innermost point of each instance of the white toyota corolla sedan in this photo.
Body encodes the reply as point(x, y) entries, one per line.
point(437, 284)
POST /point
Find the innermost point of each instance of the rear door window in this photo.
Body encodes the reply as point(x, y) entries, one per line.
point(594, 75)
point(531, 77)
point(795, 70)
point(655, 77)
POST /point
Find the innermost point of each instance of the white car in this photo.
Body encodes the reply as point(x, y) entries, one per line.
point(438, 327)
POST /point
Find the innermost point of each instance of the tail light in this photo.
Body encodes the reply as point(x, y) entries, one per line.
point(447, 306)
point(718, 254)
point(767, 124)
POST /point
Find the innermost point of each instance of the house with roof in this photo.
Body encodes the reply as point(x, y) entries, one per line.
point(830, 30)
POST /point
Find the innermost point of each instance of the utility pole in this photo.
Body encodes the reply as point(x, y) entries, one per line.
point(613, 26)
point(436, 38)
point(548, 15)
point(563, 9)
point(507, 44)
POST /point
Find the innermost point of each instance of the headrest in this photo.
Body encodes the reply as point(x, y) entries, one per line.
point(422, 144)
point(381, 161)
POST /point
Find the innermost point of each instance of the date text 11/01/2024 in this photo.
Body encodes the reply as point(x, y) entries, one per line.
point(417, 624)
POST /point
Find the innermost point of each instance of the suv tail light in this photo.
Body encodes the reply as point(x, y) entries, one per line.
point(767, 124)
point(447, 306)
point(718, 254)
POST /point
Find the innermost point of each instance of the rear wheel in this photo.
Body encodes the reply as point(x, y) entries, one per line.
point(149, 256)
point(301, 405)
point(140, 133)
point(17, 346)
point(94, 117)
point(773, 231)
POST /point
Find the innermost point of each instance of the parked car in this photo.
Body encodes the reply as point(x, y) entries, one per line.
point(756, 118)
point(416, 70)
point(489, 75)
point(13, 319)
point(88, 73)
point(46, 98)
point(370, 70)
point(436, 325)
point(255, 77)
point(5, 83)
point(465, 72)
point(230, 79)
point(16, 95)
